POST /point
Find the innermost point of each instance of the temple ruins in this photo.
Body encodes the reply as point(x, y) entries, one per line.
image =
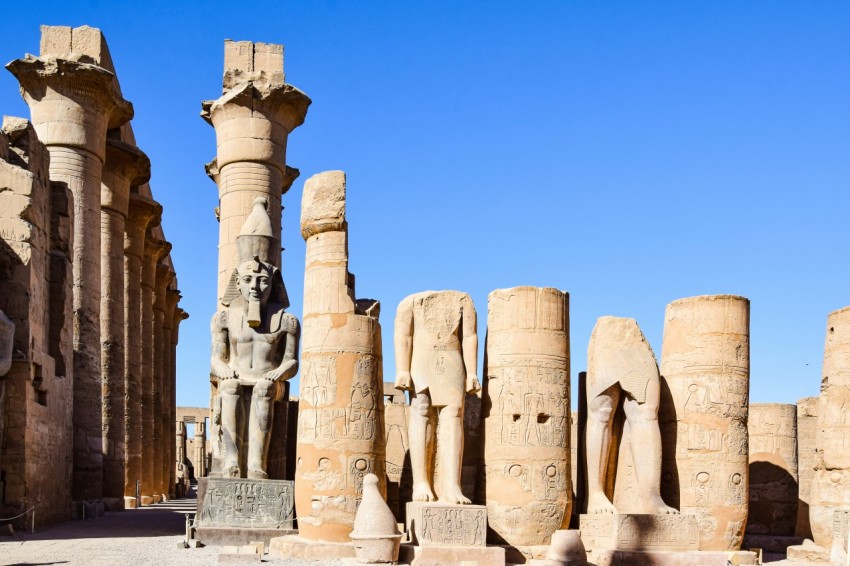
point(650, 460)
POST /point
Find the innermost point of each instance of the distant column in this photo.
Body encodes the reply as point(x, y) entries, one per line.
point(154, 250)
point(161, 394)
point(705, 368)
point(125, 166)
point(72, 105)
point(807, 427)
point(170, 400)
point(143, 212)
point(200, 442)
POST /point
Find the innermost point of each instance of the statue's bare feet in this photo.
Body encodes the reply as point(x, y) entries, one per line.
point(598, 503)
point(231, 471)
point(656, 506)
point(454, 495)
point(422, 492)
point(257, 475)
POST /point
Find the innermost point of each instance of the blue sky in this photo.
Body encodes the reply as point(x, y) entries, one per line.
point(630, 153)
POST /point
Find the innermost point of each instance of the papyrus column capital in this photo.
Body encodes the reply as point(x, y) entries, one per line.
point(142, 213)
point(125, 166)
point(72, 103)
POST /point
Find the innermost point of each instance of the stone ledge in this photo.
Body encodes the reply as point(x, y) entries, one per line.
point(293, 546)
point(221, 536)
point(442, 555)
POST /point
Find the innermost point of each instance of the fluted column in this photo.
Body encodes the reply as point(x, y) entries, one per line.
point(161, 395)
point(143, 212)
point(72, 105)
point(154, 250)
point(125, 166)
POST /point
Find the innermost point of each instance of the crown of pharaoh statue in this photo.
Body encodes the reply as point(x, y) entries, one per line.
point(256, 243)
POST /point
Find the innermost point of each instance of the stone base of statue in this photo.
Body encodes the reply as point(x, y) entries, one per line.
point(444, 533)
point(668, 540)
point(236, 511)
point(808, 552)
point(293, 546)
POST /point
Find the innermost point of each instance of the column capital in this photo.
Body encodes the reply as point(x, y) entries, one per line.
point(72, 103)
point(142, 212)
point(156, 249)
point(252, 125)
point(179, 316)
point(164, 275)
point(125, 166)
point(172, 297)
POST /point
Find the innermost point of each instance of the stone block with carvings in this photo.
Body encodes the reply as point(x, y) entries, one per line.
point(236, 502)
point(443, 524)
point(607, 531)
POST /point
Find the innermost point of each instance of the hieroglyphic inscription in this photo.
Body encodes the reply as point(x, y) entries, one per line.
point(318, 381)
point(640, 532)
point(234, 502)
point(436, 524)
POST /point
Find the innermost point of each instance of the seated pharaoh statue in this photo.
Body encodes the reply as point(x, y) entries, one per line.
point(254, 346)
point(436, 353)
point(620, 363)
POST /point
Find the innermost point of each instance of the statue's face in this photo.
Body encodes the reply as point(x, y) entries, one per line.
point(255, 281)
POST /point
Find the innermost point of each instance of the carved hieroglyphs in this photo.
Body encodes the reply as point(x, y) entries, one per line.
point(233, 502)
point(705, 369)
point(340, 413)
point(831, 483)
point(527, 403)
point(773, 469)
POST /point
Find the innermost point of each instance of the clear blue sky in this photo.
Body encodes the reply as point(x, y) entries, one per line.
point(631, 153)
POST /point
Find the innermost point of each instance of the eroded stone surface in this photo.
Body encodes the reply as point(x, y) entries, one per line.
point(527, 428)
point(773, 469)
point(705, 397)
point(807, 425)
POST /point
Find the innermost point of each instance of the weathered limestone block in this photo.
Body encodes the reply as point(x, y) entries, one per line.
point(807, 425)
point(125, 166)
point(36, 240)
point(73, 102)
point(239, 502)
point(639, 532)
point(831, 483)
point(705, 366)
point(340, 412)
point(252, 122)
point(445, 524)
point(773, 469)
point(527, 427)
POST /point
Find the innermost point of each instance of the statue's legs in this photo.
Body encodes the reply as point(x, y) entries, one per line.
point(229, 392)
point(451, 452)
point(421, 446)
point(600, 419)
point(646, 449)
point(259, 427)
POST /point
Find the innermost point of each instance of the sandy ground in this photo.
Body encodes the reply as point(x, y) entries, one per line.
point(148, 536)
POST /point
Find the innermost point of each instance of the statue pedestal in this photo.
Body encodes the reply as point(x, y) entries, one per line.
point(444, 533)
point(672, 540)
point(235, 511)
point(294, 546)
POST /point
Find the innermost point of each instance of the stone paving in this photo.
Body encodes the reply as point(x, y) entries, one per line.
point(147, 536)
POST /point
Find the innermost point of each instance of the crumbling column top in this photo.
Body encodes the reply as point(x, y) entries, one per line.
point(323, 204)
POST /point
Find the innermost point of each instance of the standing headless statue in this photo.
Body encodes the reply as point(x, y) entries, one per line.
point(621, 363)
point(255, 345)
point(436, 353)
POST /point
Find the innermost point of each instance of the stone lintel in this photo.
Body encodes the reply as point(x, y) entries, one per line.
point(125, 166)
point(244, 61)
point(82, 43)
point(49, 85)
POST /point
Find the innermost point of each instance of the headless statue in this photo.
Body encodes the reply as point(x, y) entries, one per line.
point(436, 353)
point(255, 345)
point(621, 364)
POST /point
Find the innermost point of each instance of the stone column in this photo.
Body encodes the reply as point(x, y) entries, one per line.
point(807, 426)
point(143, 212)
point(170, 413)
point(180, 456)
point(773, 469)
point(200, 443)
point(527, 408)
point(705, 368)
point(252, 122)
point(340, 413)
point(831, 483)
point(154, 250)
point(125, 166)
point(161, 394)
point(72, 105)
